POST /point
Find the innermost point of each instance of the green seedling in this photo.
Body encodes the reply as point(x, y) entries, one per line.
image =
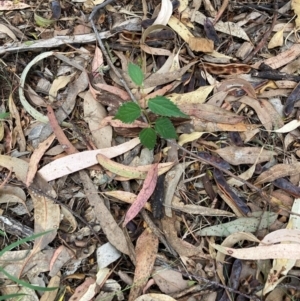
point(159, 105)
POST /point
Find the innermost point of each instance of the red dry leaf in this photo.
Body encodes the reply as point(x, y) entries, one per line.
point(144, 195)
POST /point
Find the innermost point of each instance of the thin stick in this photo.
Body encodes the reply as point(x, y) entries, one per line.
point(266, 36)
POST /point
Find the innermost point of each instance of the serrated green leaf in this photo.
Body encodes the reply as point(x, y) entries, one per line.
point(128, 112)
point(148, 137)
point(165, 128)
point(163, 106)
point(136, 74)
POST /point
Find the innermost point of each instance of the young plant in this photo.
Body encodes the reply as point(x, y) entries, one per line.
point(159, 105)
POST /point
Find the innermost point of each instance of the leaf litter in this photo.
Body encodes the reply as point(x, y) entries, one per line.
point(221, 192)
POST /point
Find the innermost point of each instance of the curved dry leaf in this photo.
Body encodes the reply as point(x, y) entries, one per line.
point(211, 127)
point(284, 265)
point(231, 240)
point(198, 96)
point(168, 280)
point(295, 4)
point(185, 138)
point(146, 251)
point(11, 5)
point(165, 13)
point(276, 40)
point(71, 220)
point(288, 251)
point(125, 196)
point(229, 28)
point(94, 113)
point(210, 113)
point(278, 171)
point(97, 60)
point(36, 157)
point(19, 130)
point(180, 28)
point(292, 125)
point(69, 164)
point(46, 217)
point(261, 111)
point(182, 247)
point(54, 282)
point(108, 224)
point(144, 194)
point(61, 256)
point(154, 297)
point(245, 176)
point(59, 83)
point(131, 172)
point(245, 155)
point(199, 210)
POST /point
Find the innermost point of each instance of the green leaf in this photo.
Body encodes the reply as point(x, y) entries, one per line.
point(26, 284)
point(148, 137)
point(42, 22)
point(128, 112)
point(163, 106)
point(165, 128)
point(11, 296)
point(4, 115)
point(136, 74)
point(21, 241)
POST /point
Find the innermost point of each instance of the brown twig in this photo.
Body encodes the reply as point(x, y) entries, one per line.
point(266, 36)
point(221, 11)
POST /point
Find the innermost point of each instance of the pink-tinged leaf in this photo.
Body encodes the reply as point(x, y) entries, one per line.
point(144, 195)
point(97, 61)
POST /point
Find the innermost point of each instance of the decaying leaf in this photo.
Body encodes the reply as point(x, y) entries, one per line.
point(146, 250)
point(144, 194)
point(245, 155)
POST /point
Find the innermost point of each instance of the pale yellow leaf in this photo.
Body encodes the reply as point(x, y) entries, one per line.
point(277, 40)
point(295, 4)
point(180, 28)
point(198, 96)
point(185, 138)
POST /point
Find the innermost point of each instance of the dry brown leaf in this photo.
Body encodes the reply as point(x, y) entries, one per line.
point(210, 113)
point(19, 130)
point(144, 194)
point(109, 226)
point(198, 96)
point(182, 247)
point(245, 155)
point(169, 281)
point(201, 44)
point(295, 4)
point(276, 40)
point(125, 196)
point(72, 163)
point(278, 171)
point(146, 250)
point(94, 113)
point(59, 83)
point(199, 210)
point(202, 126)
point(36, 157)
point(263, 114)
